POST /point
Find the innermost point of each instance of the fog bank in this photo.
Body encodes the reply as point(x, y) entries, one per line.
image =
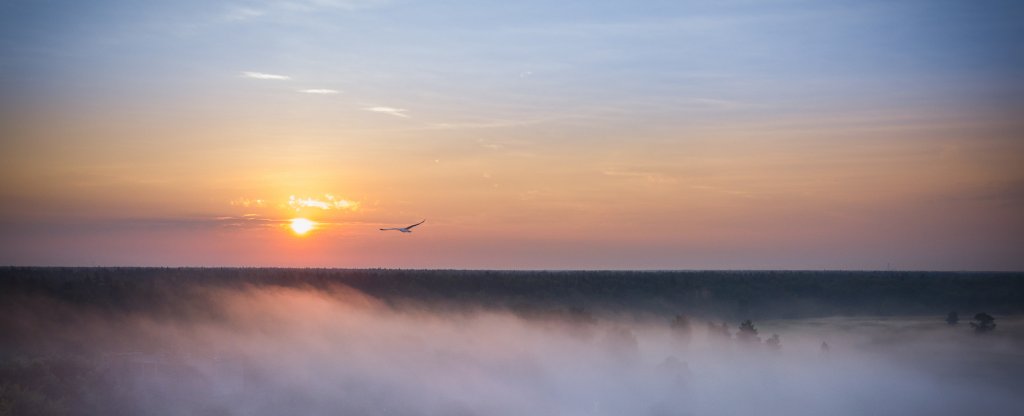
point(260, 350)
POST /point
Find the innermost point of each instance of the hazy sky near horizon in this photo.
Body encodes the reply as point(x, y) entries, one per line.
point(529, 134)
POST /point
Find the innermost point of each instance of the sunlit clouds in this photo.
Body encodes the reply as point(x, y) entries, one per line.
point(322, 202)
point(321, 212)
point(328, 202)
point(246, 202)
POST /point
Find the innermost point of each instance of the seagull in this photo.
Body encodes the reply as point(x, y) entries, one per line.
point(404, 229)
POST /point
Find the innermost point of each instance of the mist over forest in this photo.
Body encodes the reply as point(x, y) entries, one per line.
point(150, 341)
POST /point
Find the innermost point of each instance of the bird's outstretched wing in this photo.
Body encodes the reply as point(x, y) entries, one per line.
point(421, 222)
point(388, 229)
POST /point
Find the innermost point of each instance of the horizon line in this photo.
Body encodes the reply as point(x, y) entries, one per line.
point(560, 270)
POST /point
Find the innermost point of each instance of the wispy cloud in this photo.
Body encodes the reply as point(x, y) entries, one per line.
point(232, 221)
point(243, 13)
point(263, 75)
point(397, 112)
point(313, 5)
point(328, 202)
point(266, 8)
point(649, 176)
point(321, 91)
point(244, 221)
point(246, 202)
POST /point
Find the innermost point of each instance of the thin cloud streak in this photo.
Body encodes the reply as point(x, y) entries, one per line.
point(245, 202)
point(397, 112)
point(265, 76)
point(312, 5)
point(649, 176)
point(319, 91)
point(275, 7)
point(243, 13)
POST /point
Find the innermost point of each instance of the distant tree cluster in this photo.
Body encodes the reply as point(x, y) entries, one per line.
point(50, 386)
point(769, 294)
point(983, 322)
point(747, 334)
point(953, 318)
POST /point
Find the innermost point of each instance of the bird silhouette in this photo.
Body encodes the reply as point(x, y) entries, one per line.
point(403, 229)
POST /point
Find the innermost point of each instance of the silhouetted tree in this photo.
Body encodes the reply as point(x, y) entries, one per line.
point(983, 322)
point(774, 342)
point(747, 332)
point(953, 318)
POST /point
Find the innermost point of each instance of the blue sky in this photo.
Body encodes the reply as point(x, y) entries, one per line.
point(577, 52)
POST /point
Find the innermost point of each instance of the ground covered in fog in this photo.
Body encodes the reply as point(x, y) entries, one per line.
point(185, 342)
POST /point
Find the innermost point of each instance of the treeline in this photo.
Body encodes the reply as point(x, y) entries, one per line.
point(724, 294)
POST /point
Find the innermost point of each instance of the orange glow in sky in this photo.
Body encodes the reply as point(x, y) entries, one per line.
point(301, 226)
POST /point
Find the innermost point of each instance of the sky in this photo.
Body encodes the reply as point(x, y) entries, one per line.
point(735, 134)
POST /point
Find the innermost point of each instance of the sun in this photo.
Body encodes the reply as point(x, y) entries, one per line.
point(301, 226)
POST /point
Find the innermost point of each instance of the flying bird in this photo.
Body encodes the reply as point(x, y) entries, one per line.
point(404, 229)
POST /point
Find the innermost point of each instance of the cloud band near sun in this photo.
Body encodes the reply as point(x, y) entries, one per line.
point(324, 202)
point(328, 202)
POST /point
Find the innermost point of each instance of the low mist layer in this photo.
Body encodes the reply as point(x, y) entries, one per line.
point(257, 349)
